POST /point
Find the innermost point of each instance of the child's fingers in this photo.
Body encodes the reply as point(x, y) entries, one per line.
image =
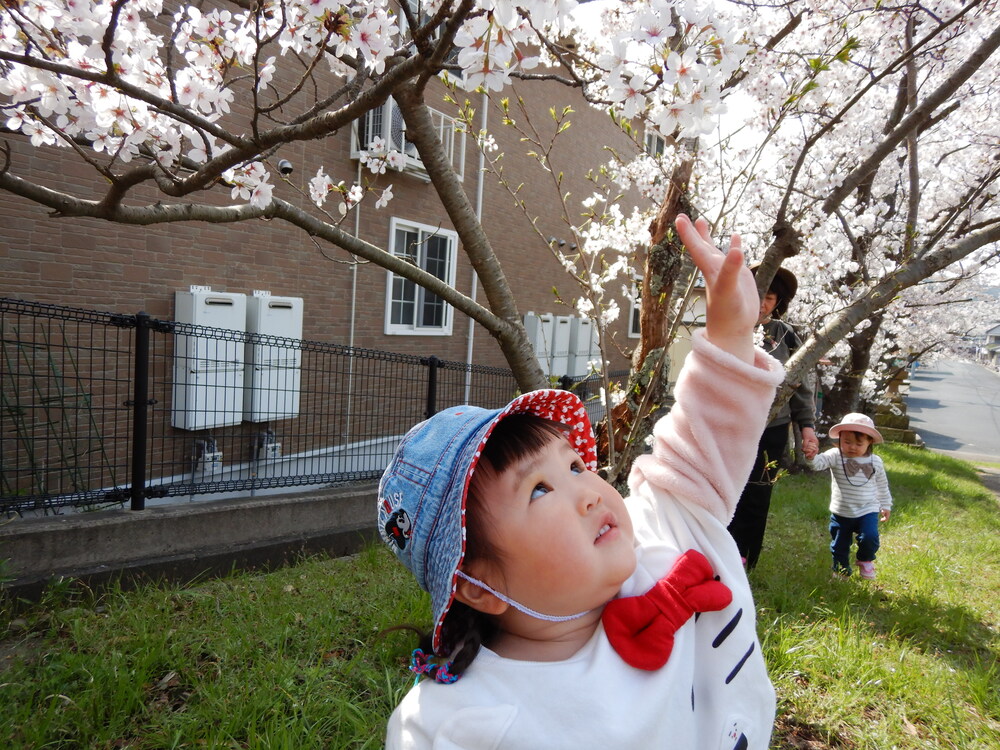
point(735, 244)
point(723, 270)
point(703, 229)
point(698, 240)
point(689, 234)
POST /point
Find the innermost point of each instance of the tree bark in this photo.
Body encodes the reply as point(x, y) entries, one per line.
point(845, 395)
point(632, 420)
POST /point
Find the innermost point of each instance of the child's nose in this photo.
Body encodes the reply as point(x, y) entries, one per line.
point(590, 499)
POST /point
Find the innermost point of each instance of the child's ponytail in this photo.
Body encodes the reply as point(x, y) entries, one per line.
point(463, 633)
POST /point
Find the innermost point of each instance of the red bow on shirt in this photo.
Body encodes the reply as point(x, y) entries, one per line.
point(641, 628)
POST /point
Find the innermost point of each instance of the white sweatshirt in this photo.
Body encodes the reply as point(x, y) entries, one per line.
point(714, 692)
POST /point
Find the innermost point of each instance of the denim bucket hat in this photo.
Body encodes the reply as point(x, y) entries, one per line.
point(421, 496)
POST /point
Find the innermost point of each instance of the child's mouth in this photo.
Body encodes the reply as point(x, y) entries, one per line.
point(602, 531)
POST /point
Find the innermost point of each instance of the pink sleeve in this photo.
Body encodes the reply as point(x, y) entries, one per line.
point(705, 446)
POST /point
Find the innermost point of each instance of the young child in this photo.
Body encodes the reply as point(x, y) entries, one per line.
point(859, 493)
point(536, 565)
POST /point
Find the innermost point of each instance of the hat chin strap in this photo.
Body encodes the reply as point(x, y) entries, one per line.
point(520, 607)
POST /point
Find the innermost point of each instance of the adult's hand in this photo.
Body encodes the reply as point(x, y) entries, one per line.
point(810, 443)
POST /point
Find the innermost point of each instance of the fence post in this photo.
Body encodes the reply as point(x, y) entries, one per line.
point(140, 410)
point(432, 371)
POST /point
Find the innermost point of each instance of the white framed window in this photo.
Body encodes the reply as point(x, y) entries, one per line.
point(386, 122)
point(411, 310)
point(655, 144)
point(635, 309)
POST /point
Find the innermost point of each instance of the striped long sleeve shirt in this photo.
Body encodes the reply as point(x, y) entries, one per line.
point(858, 486)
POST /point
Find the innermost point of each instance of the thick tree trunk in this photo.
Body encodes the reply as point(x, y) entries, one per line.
point(845, 395)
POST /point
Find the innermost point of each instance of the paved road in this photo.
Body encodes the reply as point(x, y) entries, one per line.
point(955, 407)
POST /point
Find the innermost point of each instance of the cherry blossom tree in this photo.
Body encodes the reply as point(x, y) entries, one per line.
point(855, 144)
point(860, 151)
point(878, 174)
point(144, 93)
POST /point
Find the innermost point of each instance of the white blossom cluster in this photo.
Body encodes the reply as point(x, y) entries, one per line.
point(790, 147)
point(802, 116)
point(668, 72)
point(192, 64)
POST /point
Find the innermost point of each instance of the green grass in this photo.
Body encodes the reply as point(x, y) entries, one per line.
point(297, 658)
point(909, 660)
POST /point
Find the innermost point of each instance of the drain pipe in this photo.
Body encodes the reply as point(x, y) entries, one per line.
point(354, 305)
point(475, 276)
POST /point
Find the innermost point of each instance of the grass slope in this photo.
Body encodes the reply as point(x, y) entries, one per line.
point(298, 658)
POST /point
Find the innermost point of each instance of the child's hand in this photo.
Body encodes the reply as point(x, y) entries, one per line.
point(733, 303)
point(883, 515)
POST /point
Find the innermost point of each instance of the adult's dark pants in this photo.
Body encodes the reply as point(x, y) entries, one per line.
point(750, 519)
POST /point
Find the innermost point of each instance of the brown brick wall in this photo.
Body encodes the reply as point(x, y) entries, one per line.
point(95, 264)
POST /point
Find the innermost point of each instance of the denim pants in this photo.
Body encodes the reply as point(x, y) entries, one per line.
point(842, 532)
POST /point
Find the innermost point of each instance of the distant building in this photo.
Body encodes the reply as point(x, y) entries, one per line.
point(989, 348)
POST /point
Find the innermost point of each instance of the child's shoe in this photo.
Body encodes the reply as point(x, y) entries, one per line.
point(840, 571)
point(867, 569)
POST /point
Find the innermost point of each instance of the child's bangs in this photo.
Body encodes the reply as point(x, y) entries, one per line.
point(517, 437)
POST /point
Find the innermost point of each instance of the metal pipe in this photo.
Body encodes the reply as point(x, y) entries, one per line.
point(140, 409)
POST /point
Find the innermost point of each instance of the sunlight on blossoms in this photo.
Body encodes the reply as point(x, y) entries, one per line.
point(250, 182)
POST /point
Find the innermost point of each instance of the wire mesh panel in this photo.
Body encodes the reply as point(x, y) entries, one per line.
point(321, 413)
point(65, 386)
point(590, 390)
point(99, 408)
point(460, 383)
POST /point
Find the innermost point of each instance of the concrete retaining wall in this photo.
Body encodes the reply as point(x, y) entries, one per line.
point(185, 541)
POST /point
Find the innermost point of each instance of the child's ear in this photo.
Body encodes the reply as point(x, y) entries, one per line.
point(479, 598)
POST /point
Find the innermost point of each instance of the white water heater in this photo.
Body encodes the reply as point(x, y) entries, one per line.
point(273, 358)
point(208, 359)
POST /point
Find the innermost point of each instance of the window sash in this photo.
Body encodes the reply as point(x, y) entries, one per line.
point(386, 122)
point(411, 308)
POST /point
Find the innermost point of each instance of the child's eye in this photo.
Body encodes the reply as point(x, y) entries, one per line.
point(577, 467)
point(538, 491)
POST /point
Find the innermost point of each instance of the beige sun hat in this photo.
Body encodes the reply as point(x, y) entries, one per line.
point(857, 423)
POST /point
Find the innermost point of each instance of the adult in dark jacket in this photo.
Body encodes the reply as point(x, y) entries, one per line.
point(781, 341)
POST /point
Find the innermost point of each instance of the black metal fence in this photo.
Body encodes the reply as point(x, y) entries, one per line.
point(100, 408)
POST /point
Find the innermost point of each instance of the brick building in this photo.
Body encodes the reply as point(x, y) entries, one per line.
point(99, 265)
point(68, 430)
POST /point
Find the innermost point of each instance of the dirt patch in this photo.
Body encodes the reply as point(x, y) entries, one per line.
point(790, 734)
point(990, 477)
point(26, 647)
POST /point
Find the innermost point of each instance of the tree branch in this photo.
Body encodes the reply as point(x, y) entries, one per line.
point(914, 120)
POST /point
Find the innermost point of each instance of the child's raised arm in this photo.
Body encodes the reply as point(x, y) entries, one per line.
point(733, 303)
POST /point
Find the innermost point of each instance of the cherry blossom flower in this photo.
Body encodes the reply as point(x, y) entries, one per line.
point(250, 183)
point(320, 187)
point(38, 133)
point(354, 195)
point(630, 95)
point(384, 198)
point(266, 73)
